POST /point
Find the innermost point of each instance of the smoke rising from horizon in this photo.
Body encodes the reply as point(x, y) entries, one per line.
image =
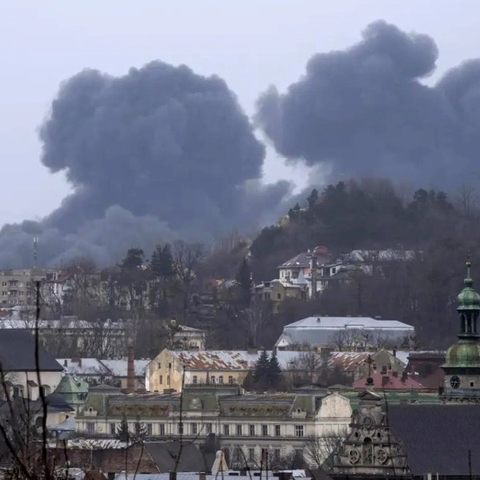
point(157, 154)
point(365, 111)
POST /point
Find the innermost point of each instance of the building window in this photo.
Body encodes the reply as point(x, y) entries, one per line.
point(299, 453)
point(239, 430)
point(149, 429)
point(220, 379)
point(276, 454)
point(251, 454)
point(113, 429)
point(90, 428)
point(168, 379)
point(195, 379)
point(180, 428)
point(194, 429)
point(251, 430)
point(161, 379)
point(279, 296)
point(299, 430)
point(162, 429)
point(208, 427)
point(230, 380)
point(472, 384)
point(264, 455)
point(277, 431)
point(226, 430)
point(212, 379)
point(265, 430)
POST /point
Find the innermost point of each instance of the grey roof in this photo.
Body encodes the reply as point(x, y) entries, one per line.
point(321, 330)
point(437, 438)
point(165, 454)
point(17, 353)
point(302, 260)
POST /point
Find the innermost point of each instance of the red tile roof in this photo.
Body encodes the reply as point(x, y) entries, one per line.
point(390, 382)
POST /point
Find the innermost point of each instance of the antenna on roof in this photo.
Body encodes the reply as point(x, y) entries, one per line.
point(35, 245)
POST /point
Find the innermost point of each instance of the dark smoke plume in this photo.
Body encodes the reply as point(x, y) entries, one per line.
point(365, 110)
point(157, 154)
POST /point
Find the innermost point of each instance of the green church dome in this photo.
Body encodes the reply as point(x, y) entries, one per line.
point(468, 298)
point(463, 354)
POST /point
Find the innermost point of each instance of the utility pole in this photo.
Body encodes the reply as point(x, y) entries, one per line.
point(35, 246)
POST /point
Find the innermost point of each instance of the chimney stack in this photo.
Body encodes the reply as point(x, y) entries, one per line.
point(131, 370)
point(173, 476)
point(202, 476)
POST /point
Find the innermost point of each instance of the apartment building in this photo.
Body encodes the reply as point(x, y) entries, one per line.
point(17, 287)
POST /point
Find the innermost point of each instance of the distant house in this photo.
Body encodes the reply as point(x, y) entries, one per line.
point(358, 365)
point(190, 338)
point(345, 333)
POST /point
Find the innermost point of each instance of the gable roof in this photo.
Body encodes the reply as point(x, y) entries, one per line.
point(302, 260)
point(17, 353)
point(165, 456)
point(437, 438)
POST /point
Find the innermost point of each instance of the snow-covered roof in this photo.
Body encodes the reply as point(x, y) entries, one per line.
point(322, 330)
point(83, 366)
point(119, 368)
point(228, 359)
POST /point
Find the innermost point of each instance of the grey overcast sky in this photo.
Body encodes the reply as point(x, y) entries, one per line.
point(250, 43)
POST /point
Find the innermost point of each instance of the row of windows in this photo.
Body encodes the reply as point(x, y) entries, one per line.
point(5, 294)
point(195, 429)
point(266, 455)
point(213, 379)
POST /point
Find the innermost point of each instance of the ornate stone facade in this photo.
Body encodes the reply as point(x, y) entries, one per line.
point(370, 448)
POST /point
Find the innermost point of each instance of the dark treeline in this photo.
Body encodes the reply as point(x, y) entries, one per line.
point(372, 215)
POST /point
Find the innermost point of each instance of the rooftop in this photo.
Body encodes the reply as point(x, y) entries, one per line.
point(17, 353)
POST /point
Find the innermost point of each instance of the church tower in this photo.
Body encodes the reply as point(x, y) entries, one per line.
point(462, 362)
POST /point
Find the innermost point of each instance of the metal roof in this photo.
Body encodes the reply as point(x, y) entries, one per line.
point(321, 330)
point(119, 368)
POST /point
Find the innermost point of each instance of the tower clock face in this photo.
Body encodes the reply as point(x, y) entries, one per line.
point(454, 381)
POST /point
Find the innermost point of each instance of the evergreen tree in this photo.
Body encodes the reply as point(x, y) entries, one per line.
point(139, 431)
point(162, 267)
point(244, 279)
point(123, 434)
point(274, 371)
point(261, 370)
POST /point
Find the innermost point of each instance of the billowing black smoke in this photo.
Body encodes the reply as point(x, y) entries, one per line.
point(366, 111)
point(157, 154)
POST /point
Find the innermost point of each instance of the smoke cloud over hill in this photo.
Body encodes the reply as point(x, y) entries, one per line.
point(365, 110)
point(162, 153)
point(157, 154)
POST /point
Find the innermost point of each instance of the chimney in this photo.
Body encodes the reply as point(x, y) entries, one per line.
point(202, 476)
point(131, 370)
point(394, 352)
point(173, 476)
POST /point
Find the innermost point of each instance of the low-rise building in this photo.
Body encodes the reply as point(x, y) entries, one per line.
point(172, 369)
point(21, 370)
point(344, 333)
point(280, 424)
point(358, 365)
